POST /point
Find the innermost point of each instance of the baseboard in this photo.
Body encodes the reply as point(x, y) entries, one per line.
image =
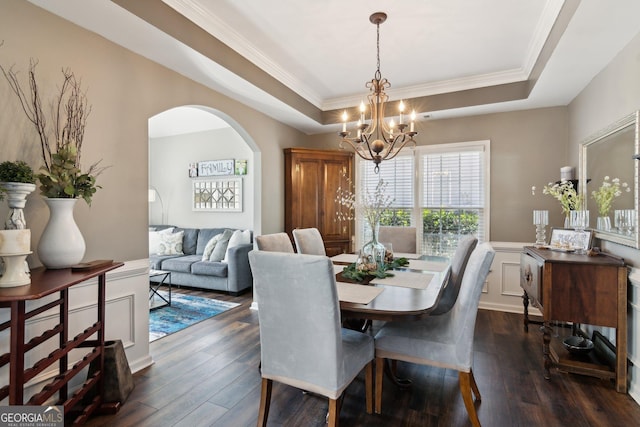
point(140, 364)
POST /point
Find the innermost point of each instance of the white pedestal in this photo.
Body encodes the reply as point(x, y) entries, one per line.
point(15, 272)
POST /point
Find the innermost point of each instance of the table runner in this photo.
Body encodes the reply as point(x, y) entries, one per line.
point(359, 294)
point(406, 279)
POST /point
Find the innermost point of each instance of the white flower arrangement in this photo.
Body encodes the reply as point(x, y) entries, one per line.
point(608, 191)
point(565, 193)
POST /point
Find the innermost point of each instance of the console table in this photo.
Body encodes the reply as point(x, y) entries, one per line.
point(46, 282)
point(579, 289)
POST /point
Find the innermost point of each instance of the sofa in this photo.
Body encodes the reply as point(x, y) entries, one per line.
point(186, 264)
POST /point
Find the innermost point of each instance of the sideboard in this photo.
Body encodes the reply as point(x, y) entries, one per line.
point(43, 283)
point(579, 289)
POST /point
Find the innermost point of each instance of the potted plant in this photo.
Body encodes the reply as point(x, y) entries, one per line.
point(62, 181)
point(17, 181)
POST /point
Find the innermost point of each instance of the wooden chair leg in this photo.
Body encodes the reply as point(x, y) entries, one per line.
point(474, 387)
point(378, 383)
point(465, 380)
point(334, 412)
point(265, 401)
point(368, 385)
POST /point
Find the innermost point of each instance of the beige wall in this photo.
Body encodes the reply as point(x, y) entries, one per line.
point(527, 148)
point(124, 90)
point(611, 95)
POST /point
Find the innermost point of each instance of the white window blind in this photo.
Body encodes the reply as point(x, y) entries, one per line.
point(445, 199)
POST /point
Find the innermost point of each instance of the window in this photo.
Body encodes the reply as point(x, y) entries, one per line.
point(442, 190)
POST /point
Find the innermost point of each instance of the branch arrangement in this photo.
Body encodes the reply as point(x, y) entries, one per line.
point(61, 175)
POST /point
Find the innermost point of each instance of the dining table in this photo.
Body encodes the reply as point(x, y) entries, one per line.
point(409, 293)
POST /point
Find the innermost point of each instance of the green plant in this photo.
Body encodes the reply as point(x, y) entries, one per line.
point(64, 179)
point(17, 171)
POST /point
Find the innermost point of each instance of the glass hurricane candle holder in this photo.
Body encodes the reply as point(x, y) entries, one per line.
point(579, 221)
point(541, 220)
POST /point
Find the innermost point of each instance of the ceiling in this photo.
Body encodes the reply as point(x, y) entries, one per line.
point(304, 61)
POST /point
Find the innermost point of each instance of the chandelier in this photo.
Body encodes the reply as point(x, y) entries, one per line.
point(376, 139)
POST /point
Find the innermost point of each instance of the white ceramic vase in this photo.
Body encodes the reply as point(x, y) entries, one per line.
point(61, 244)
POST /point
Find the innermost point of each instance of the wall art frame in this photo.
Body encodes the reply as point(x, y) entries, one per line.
point(217, 195)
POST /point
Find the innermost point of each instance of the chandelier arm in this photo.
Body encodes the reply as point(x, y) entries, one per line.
point(357, 148)
point(404, 142)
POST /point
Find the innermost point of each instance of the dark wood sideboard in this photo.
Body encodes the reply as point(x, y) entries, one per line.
point(580, 289)
point(47, 282)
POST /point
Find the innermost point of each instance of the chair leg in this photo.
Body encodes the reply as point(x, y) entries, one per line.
point(378, 383)
point(265, 401)
point(334, 412)
point(368, 385)
point(474, 387)
point(465, 379)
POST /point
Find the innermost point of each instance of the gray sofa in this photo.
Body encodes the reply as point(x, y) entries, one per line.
point(233, 276)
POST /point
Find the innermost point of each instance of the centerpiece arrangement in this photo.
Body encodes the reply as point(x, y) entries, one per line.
point(62, 181)
point(374, 260)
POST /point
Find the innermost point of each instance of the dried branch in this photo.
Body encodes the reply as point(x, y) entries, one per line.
point(61, 175)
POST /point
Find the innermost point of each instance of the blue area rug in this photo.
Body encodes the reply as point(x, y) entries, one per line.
point(185, 310)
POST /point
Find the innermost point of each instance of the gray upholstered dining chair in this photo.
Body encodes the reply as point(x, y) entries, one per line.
point(445, 341)
point(309, 241)
point(301, 341)
point(402, 239)
point(276, 242)
point(466, 245)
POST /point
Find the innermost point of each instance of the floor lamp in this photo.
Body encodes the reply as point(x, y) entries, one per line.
point(153, 196)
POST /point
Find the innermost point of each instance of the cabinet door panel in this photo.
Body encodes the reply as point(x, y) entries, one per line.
point(308, 193)
point(331, 227)
point(584, 294)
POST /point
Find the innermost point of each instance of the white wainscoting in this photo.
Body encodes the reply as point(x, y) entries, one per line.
point(126, 318)
point(502, 291)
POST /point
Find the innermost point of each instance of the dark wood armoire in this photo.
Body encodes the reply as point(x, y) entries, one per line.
point(312, 178)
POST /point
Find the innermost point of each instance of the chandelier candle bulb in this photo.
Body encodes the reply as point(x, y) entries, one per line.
point(401, 108)
point(413, 119)
point(344, 121)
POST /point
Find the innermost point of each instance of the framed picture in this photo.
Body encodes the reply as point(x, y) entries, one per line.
point(568, 238)
point(216, 167)
point(193, 170)
point(217, 195)
point(241, 167)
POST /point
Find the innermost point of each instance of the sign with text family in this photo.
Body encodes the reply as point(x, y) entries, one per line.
point(216, 167)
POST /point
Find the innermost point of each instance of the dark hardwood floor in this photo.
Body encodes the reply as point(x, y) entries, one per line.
point(207, 375)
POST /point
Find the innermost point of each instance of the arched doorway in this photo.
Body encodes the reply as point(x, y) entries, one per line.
point(183, 136)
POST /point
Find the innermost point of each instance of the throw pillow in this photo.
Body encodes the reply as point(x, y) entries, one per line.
point(211, 244)
point(221, 246)
point(171, 244)
point(239, 237)
point(154, 240)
